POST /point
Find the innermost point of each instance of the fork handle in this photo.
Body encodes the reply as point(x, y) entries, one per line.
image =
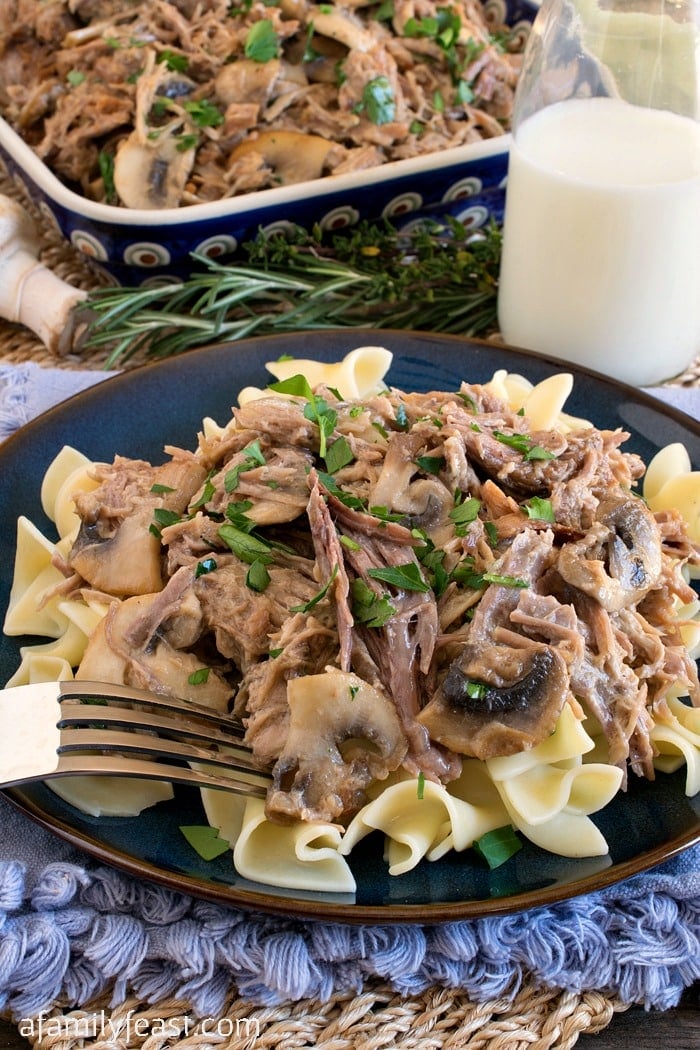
point(29, 739)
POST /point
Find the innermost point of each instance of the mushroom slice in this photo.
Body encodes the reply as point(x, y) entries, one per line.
point(619, 560)
point(246, 81)
point(152, 165)
point(500, 704)
point(343, 734)
point(116, 550)
point(149, 175)
point(292, 155)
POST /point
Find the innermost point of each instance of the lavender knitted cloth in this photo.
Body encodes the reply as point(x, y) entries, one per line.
point(71, 928)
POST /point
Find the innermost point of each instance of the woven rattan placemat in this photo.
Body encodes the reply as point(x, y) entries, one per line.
point(438, 1019)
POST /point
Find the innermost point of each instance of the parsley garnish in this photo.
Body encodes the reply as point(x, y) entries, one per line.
point(205, 840)
point(370, 608)
point(319, 596)
point(262, 43)
point(246, 547)
point(498, 846)
point(200, 676)
point(420, 787)
point(203, 567)
point(338, 455)
point(464, 513)
point(316, 410)
point(405, 577)
point(378, 101)
point(522, 443)
point(540, 509)
point(253, 458)
point(257, 577)
point(175, 62)
point(431, 464)
point(203, 113)
point(162, 518)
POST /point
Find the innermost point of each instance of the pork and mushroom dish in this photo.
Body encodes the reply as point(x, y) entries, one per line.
point(389, 584)
point(162, 103)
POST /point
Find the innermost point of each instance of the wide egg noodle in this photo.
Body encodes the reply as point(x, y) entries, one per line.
point(295, 856)
point(68, 474)
point(105, 796)
point(678, 740)
point(549, 794)
point(429, 821)
point(29, 610)
point(359, 375)
point(543, 402)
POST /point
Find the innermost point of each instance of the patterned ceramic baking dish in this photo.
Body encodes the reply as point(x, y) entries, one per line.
point(137, 245)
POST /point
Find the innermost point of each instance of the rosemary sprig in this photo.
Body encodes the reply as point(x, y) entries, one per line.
point(441, 278)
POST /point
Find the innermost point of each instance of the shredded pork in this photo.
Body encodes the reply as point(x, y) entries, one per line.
point(158, 104)
point(467, 576)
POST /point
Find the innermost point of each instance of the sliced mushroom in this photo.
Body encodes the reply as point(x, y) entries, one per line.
point(152, 165)
point(292, 155)
point(116, 550)
point(246, 81)
point(130, 646)
point(619, 560)
point(343, 734)
point(507, 705)
point(344, 26)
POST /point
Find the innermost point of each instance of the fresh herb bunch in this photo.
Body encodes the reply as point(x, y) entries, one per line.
point(440, 278)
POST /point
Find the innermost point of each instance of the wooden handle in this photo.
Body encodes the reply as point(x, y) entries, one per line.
point(30, 294)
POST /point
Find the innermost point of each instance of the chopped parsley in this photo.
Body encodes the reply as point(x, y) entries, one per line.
point(162, 518)
point(369, 608)
point(253, 458)
point(319, 596)
point(378, 102)
point(406, 577)
point(498, 846)
point(205, 840)
point(338, 454)
point(262, 43)
point(431, 464)
point(203, 567)
point(203, 113)
point(539, 509)
point(316, 410)
point(524, 444)
point(257, 577)
point(245, 546)
point(199, 677)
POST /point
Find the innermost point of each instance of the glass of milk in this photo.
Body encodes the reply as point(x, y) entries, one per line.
point(601, 237)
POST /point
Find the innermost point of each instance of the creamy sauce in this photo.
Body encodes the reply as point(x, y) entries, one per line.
point(29, 735)
point(601, 250)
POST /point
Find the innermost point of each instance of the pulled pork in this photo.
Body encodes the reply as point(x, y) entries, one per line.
point(160, 104)
point(395, 583)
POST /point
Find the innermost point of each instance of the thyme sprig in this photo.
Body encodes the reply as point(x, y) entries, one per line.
point(441, 278)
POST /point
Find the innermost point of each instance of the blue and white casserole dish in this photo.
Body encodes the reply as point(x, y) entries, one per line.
point(134, 245)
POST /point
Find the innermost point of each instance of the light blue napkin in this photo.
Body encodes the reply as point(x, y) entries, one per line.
point(72, 929)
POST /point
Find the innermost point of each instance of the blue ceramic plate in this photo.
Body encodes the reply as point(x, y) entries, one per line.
point(136, 414)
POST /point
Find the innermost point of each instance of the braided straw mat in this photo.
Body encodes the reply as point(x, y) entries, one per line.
point(438, 1019)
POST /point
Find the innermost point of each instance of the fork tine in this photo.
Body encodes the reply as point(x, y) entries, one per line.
point(109, 740)
point(76, 714)
point(145, 769)
point(85, 691)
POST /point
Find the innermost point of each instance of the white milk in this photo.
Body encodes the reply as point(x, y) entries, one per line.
point(601, 247)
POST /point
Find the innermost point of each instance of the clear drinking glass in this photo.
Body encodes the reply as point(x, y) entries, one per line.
point(601, 239)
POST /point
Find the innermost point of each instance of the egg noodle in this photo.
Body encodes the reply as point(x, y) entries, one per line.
point(546, 790)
